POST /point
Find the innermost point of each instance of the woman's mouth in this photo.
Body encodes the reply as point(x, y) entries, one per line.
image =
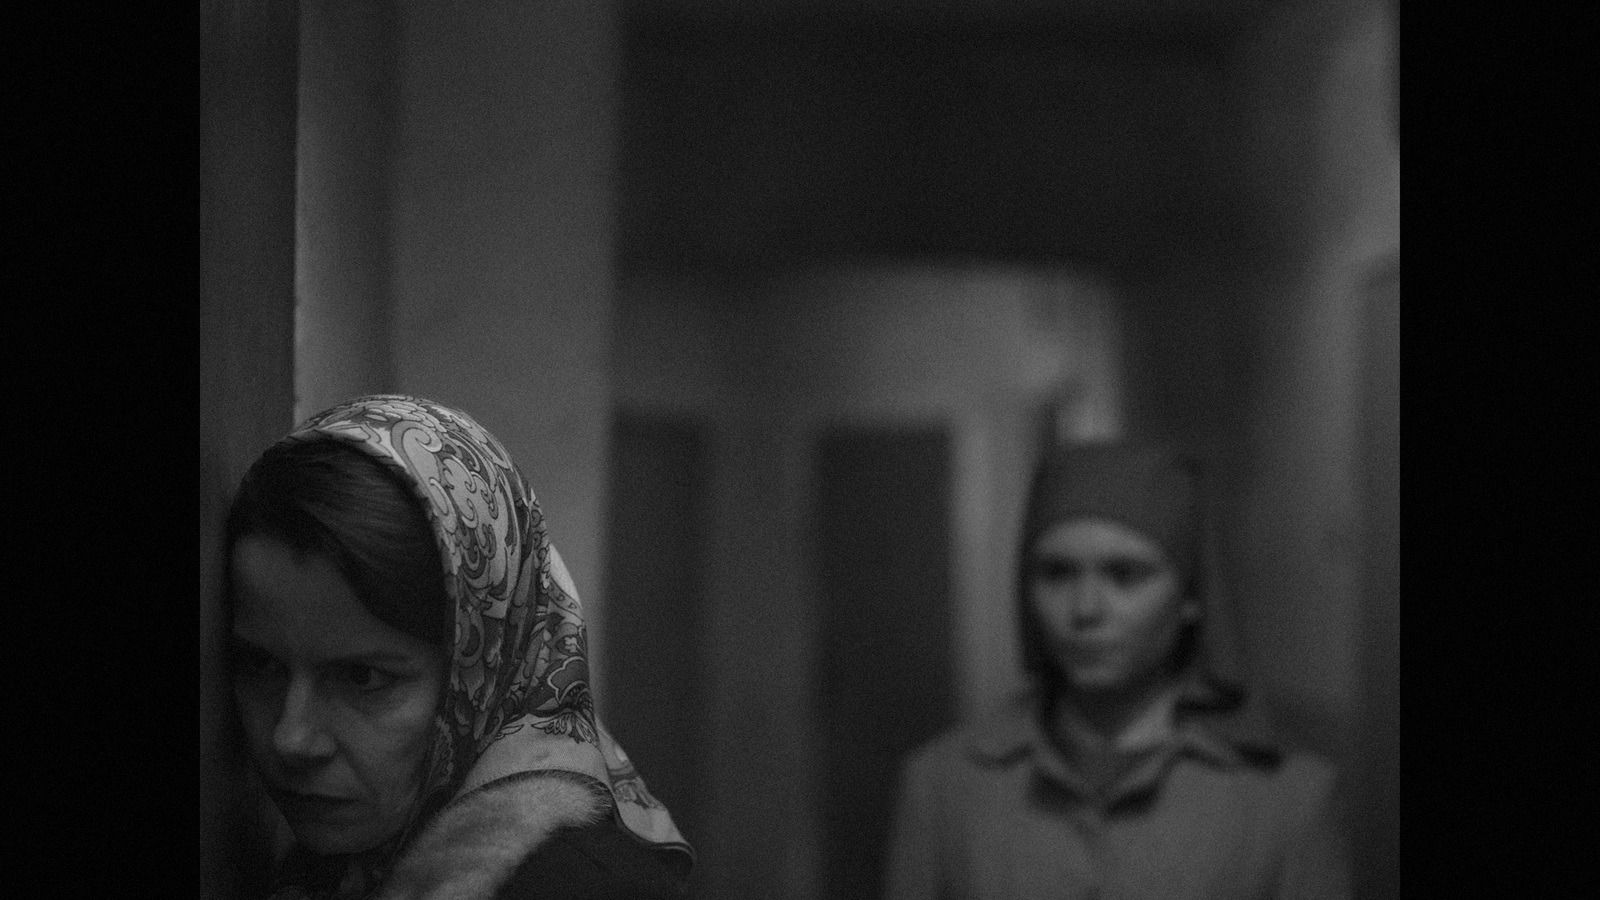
point(295, 804)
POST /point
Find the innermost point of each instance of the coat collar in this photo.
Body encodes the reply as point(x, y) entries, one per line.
point(1012, 734)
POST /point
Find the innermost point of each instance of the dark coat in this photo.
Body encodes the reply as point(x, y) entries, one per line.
point(596, 862)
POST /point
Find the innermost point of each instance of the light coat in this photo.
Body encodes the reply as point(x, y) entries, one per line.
point(993, 810)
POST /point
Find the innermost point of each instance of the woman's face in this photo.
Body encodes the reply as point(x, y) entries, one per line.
point(337, 706)
point(1111, 603)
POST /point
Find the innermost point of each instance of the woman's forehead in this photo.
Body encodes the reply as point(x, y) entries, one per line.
point(1096, 537)
point(293, 602)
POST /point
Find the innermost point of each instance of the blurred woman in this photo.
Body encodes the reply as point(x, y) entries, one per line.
point(409, 668)
point(1129, 769)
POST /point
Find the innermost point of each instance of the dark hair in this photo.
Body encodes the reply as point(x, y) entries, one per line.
point(326, 498)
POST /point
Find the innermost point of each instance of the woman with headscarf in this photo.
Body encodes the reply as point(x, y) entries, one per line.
point(1130, 768)
point(409, 668)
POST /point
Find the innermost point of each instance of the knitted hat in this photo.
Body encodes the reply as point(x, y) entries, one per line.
point(1158, 492)
point(1146, 487)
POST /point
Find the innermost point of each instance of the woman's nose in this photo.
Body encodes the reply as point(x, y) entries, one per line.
point(1089, 599)
point(300, 734)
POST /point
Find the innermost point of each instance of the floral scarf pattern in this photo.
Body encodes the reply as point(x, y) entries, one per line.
point(518, 698)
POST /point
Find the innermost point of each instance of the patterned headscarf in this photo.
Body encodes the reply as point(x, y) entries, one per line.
point(518, 697)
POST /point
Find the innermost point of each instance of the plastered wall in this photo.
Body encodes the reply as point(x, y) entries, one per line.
point(455, 232)
point(1303, 520)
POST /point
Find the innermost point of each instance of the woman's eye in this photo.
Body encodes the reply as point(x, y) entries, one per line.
point(251, 663)
point(1128, 573)
point(366, 678)
point(1056, 570)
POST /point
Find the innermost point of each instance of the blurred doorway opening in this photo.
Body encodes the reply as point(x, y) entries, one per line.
point(882, 543)
point(655, 584)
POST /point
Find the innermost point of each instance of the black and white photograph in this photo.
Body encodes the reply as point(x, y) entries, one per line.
point(799, 449)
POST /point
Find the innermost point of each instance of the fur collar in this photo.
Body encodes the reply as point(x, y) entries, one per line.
point(474, 844)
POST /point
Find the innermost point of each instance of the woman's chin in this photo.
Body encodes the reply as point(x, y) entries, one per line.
point(1109, 682)
point(1095, 676)
point(325, 839)
point(1095, 683)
